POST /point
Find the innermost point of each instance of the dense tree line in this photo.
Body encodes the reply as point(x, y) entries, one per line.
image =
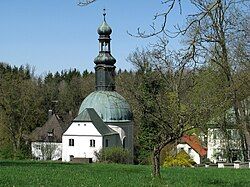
point(25, 101)
point(166, 101)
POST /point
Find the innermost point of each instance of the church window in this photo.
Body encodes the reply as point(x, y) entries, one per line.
point(106, 143)
point(92, 143)
point(124, 142)
point(71, 142)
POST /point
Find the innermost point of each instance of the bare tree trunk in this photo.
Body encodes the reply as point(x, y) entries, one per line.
point(156, 162)
point(240, 120)
point(245, 141)
point(243, 120)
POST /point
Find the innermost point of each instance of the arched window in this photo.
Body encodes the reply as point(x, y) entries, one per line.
point(71, 157)
point(124, 142)
point(106, 143)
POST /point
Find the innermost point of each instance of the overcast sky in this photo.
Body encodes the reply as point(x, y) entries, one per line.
point(55, 35)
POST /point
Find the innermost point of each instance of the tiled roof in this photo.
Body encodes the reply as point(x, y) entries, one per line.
point(195, 144)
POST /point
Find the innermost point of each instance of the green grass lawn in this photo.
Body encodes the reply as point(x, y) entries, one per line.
point(24, 173)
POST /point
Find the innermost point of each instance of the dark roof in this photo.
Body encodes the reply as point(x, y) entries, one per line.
point(54, 125)
point(90, 115)
point(195, 144)
point(83, 116)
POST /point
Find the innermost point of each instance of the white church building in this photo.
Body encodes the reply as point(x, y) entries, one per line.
point(104, 118)
point(88, 134)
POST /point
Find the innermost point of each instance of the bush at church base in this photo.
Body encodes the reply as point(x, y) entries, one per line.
point(114, 155)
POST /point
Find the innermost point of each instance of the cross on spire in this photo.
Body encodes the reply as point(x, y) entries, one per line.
point(104, 14)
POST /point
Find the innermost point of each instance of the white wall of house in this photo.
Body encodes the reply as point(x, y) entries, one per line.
point(192, 153)
point(82, 133)
point(46, 150)
point(216, 143)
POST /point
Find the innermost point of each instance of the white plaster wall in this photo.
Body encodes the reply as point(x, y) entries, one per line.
point(214, 145)
point(54, 148)
point(119, 130)
point(82, 134)
point(193, 154)
point(82, 128)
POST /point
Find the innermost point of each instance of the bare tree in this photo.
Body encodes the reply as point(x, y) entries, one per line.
point(85, 2)
point(163, 87)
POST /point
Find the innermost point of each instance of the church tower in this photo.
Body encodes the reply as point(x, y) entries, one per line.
point(105, 69)
point(111, 107)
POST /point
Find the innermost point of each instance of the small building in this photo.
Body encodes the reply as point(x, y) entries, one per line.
point(86, 135)
point(46, 141)
point(193, 147)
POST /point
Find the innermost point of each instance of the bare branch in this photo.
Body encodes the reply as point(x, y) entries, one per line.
point(85, 2)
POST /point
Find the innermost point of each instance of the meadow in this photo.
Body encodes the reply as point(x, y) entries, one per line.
point(31, 173)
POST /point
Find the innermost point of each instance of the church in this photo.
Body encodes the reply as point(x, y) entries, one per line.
point(104, 118)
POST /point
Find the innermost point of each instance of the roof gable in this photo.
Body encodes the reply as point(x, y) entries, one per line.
point(195, 144)
point(90, 115)
point(52, 125)
point(83, 117)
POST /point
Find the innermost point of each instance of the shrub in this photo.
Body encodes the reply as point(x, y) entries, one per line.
point(181, 159)
point(114, 155)
point(205, 160)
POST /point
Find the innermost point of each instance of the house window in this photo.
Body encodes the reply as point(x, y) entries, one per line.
point(38, 146)
point(92, 143)
point(71, 142)
point(106, 143)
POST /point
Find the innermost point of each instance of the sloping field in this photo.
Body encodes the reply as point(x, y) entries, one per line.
point(24, 173)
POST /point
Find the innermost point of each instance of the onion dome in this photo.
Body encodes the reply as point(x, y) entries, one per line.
point(104, 29)
point(105, 58)
point(109, 105)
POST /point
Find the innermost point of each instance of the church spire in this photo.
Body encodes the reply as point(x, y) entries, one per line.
point(105, 69)
point(104, 14)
